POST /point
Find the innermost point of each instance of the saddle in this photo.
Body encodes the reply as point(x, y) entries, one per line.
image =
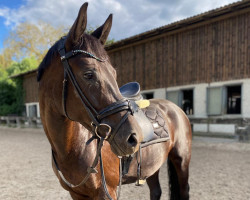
point(151, 121)
point(131, 91)
point(148, 117)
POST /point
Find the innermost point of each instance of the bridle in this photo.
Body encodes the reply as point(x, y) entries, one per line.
point(96, 117)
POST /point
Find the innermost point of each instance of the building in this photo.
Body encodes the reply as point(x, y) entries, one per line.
point(30, 86)
point(201, 63)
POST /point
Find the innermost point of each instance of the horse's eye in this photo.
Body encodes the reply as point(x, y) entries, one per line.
point(89, 75)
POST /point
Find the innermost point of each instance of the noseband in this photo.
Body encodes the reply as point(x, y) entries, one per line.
point(96, 117)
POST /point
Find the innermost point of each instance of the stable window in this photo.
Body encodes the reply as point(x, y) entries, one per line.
point(233, 99)
point(224, 100)
point(187, 102)
point(32, 110)
point(148, 95)
point(182, 98)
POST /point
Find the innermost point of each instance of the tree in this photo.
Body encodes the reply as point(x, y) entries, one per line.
point(23, 51)
point(25, 65)
point(5, 59)
point(29, 40)
point(11, 96)
point(11, 91)
point(3, 74)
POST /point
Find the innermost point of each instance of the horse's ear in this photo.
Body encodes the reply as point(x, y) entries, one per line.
point(79, 26)
point(103, 31)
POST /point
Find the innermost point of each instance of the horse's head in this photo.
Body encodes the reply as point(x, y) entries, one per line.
point(90, 92)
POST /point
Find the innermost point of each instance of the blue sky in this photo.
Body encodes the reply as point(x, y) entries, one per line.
point(130, 16)
point(11, 4)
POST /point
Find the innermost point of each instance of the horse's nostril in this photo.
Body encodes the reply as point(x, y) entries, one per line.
point(132, 140)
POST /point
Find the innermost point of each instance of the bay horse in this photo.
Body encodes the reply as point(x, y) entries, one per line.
point(85, 116)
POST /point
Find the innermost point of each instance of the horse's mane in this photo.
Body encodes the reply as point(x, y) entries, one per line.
point(47, 60)
point(87, 43)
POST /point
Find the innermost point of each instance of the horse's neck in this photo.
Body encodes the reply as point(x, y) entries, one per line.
point(68, 138)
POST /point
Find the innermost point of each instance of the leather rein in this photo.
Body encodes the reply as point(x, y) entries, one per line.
point(96, 117)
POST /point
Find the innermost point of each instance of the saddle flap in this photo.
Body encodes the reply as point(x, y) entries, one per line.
point(152, 124)
point(146, 126)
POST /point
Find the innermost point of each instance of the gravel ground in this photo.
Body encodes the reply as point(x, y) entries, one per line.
point(220, 169)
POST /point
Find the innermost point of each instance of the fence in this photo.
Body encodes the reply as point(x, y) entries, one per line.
point(241, 127)
point(23, 122)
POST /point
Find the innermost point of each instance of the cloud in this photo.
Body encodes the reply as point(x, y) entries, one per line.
point(130, 16)
point(5, 12)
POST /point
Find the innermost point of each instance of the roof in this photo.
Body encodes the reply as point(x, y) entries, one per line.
point(227, 9)
point(24, 73)
point(240, 5)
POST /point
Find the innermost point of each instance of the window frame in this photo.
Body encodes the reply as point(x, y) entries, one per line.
point(224, 96)
point(180, 96)
point(27, 105)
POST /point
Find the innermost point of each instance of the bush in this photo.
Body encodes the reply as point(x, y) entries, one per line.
point(11, 97)
point(11, 90)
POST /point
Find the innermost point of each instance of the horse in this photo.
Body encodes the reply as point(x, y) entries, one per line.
point(88, 122)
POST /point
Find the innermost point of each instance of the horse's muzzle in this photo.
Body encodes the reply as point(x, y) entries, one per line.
point(127, 140)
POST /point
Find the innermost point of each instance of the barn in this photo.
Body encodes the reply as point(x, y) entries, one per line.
point(201, 63)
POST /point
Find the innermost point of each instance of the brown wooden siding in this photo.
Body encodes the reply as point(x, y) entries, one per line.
point(30, 86)
point(216, 51)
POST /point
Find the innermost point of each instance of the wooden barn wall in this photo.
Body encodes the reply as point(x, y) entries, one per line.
point(217, 51)
point(30, 86)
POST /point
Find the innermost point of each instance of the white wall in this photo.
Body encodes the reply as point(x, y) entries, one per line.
point(200, 103)
point(158, 93)
point(200, 98)
point(228, 129)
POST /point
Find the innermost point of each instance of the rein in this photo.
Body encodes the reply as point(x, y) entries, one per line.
point(92, 170)
point(96, 117)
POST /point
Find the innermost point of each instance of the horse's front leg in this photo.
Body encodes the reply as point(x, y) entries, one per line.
point(101, 195)
point(154, 186)
point(98, 195)
point(76, 196)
